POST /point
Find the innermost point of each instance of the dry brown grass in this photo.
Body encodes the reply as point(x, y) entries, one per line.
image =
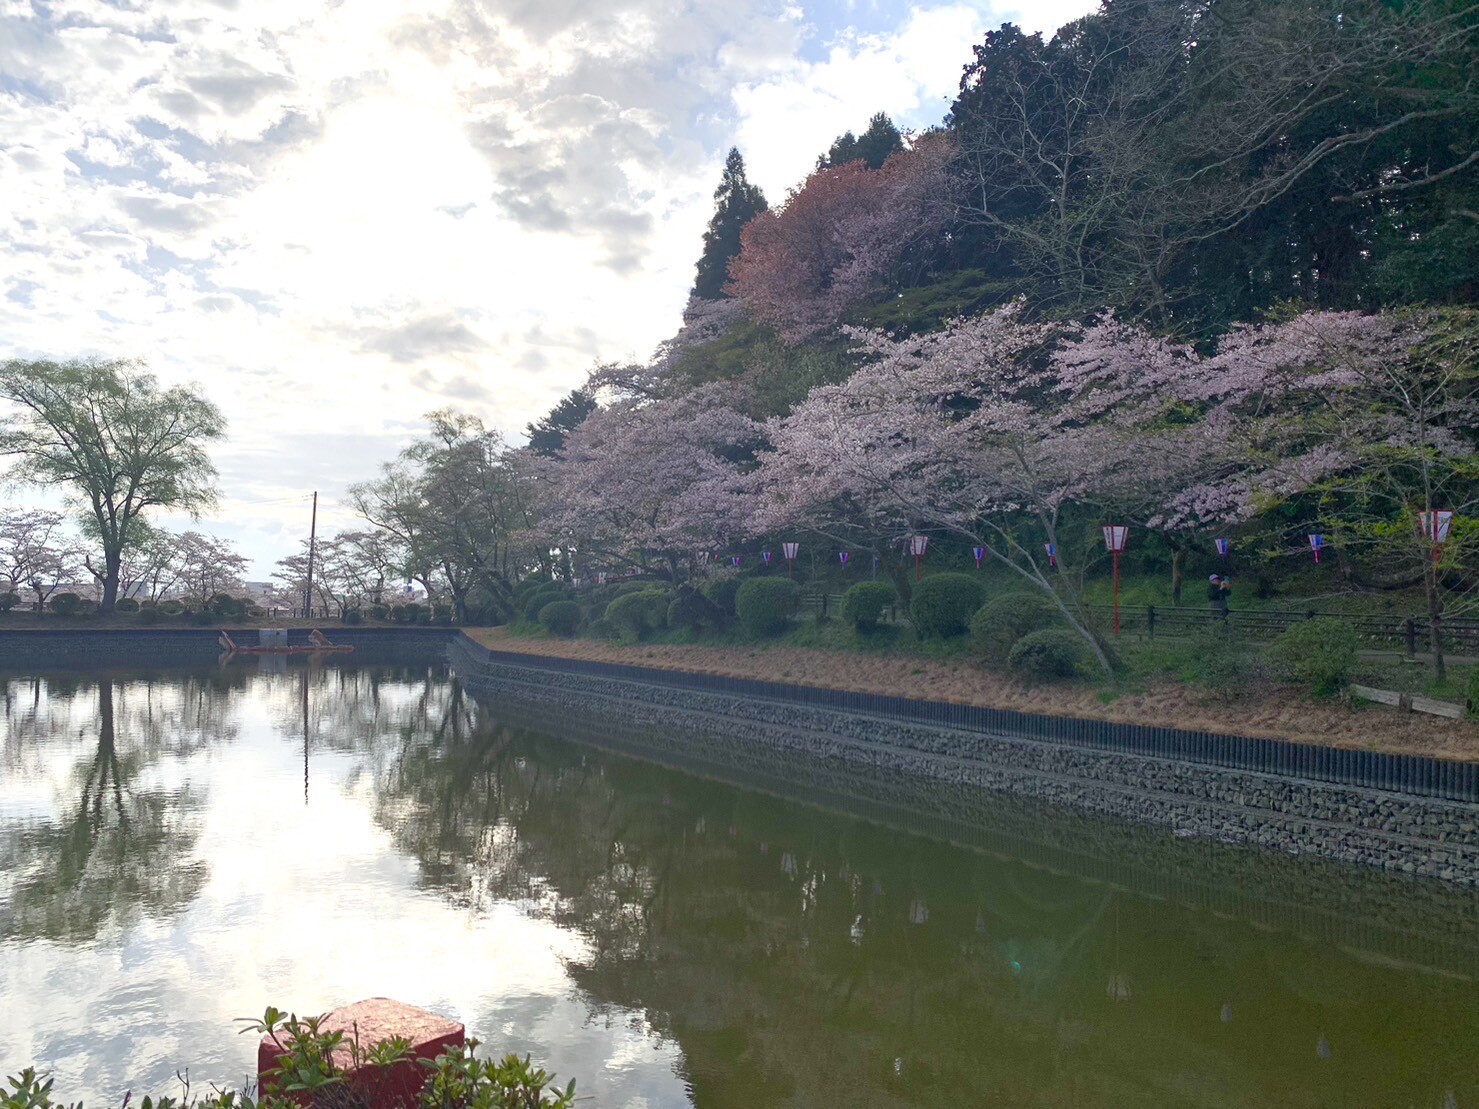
point(1275, 712)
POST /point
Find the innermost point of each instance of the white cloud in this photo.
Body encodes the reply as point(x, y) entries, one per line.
point(336, 216)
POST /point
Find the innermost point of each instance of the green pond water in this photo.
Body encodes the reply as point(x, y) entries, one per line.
point(179, 850)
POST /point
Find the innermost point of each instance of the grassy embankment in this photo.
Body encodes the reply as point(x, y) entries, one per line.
point(1157, 684)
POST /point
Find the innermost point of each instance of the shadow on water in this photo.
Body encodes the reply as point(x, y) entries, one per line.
point(806, 933)
point(836, 951)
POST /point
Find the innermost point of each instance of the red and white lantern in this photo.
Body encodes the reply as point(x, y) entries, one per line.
point(1115, 537)
point(917, 546)
point(1435, 527)
point(790, 551)
point(980, 553)
point(1317, 544)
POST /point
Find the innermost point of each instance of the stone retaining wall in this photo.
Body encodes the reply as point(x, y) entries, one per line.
point(42, 649)
point(1378, 828)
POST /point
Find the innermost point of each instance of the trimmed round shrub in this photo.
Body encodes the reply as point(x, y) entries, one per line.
point(379, 612)
point(223, 604)
point(171, 608)
point(66, 604)
point(1046, 655)
point(765, 605)
point(126, 604)
point(1001, 621)
point(602, 629)
point(441, 614)
point(722, 592)
point(637, 615)
point(9, 600)
point(539, 598)
point(412, 612)
point(398, 614)
point(149, 615)
point(352, 616)
point(560, 618)
point(943, 604)
point(692, 611)
point(1320, 652)
point(203, 617)
point(863, 604)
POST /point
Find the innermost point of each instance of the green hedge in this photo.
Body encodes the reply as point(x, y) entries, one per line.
point(66, 604)
point(722, 592)
point(944, 604)
point(126, 604)
point(765, 605)
point(1001, 621)
point(1320, 652)
point(560, 618)
point(863, 604)
point(1047, 654)
point(637, 615)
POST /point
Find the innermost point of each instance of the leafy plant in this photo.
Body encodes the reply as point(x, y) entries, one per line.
point(1222, 660)
point(1320, 652)
point(637, 615)
point(126, 604)
point(66, 604)
point(1046, 655)
point(765, 605)
point(863, 604)
point(943, 604)
point(560, 617)
point(1001, 621)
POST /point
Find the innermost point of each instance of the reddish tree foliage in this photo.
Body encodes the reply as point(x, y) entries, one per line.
point(801, 269)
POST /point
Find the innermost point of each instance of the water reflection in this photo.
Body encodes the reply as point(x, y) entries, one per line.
point(668, 939)
point(122, 845)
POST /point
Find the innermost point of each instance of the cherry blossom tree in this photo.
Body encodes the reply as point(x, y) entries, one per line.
point(27, 538)
point(990, 430)
point(205, 566)
point(642, 480)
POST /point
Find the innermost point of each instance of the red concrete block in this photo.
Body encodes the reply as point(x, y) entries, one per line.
point(372, 1022)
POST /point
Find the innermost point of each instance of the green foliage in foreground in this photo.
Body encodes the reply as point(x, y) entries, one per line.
point(998, 624)
point(943, 604)
point(307, 1077)
point(863, 604)
point(765, 605)
point(560, 618)
point(1321, 653)
point(1047, 655)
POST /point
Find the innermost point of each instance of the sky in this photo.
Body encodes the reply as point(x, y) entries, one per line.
point(335, 216)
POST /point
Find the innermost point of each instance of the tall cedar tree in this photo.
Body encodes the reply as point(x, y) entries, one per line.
point(873, 146)
point(547, 435)
point(737, 202)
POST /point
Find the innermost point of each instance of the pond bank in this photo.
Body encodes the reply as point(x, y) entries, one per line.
point(1274, 713)
point(1205, 787)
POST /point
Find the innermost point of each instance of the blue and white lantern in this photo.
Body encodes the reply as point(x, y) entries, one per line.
point(980, 553)
point(765, 556)
point(1052, 550)
point(1222, 546)
point(842, 558)
point(1317, 541)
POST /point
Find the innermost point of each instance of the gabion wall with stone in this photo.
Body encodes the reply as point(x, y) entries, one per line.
point(1378, 828)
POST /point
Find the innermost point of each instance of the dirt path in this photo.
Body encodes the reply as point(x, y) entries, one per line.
point(1272, 711)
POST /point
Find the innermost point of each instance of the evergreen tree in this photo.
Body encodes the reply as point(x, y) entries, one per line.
point(873, 146)
point(547, 435)
point(737, 202)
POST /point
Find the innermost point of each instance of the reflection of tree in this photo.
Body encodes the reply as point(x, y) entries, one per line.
point(803, 958)
point(122, 849)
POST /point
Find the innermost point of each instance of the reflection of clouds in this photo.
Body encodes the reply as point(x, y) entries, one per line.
point(307, 907)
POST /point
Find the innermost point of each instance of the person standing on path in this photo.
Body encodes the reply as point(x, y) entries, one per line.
point(1219, 589)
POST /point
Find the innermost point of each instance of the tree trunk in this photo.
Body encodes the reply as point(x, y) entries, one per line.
point(1435, 620)
point(112, 561)
point(1178, 559)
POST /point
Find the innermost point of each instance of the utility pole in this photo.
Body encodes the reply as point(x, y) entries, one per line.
point(312, 540)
